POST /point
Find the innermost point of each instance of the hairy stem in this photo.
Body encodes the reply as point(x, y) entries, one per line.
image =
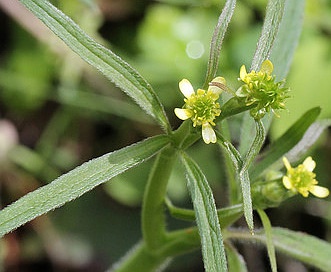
point(153, 220)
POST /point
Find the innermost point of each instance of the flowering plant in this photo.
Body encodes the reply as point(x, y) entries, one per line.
point(255, 177)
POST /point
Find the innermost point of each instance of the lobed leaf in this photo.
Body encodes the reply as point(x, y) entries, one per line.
point(108, 63)
point(77, 182)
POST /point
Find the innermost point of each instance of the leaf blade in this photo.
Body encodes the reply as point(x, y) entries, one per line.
point(303, 247)
point(273, 18)
point(209, 228)
point(287, 37)
point(217, 39)
point(269, 242)
point(77, 182)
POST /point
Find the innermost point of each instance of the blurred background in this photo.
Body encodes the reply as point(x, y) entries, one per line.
point(57, 112)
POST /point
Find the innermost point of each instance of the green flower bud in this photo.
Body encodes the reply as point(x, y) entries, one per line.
point(261, 90)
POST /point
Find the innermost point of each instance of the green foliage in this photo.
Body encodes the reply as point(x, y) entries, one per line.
point(172, 43)
point(206, 216)
point(77, 182)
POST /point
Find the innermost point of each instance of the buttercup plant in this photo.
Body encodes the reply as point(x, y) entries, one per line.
point(205, 113)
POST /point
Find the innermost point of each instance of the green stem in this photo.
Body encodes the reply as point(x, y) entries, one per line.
point(255, 147)
point(153, 219)
point(234, 163)
point(226, 215)
point(139, 259)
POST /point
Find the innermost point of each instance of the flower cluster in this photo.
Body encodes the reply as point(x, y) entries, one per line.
point(261, 90)
point(301, 179)
point(201, 107)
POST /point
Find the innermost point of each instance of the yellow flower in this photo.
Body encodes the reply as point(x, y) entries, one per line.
point(261, 90)
point(302, 179)
point(202, 107)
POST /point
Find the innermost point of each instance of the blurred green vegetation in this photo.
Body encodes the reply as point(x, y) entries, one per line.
point(65, 113)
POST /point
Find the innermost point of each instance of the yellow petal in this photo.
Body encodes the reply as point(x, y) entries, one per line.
point(267, 67)
point(219, 80)
point(287, 183)
point(208, 134)
point(186, 88)
point(319, 191)
point(309, 164)
point(287, 163)
point(243, 72)
point(304, 192)
point(183, 114)
point(220, 85)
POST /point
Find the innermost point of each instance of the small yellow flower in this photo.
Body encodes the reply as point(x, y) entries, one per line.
point(302, 179)
point(202, 107)
point(260, 89)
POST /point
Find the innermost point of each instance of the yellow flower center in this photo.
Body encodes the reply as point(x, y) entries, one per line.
point(261, 90)
point(302, 179)
point(204, 107)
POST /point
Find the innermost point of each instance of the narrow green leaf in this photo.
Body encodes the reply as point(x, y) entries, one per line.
point(255, 148)
point(269, 242)
point(231, 151)
point(288, 140)
point(235, 260)
point(209, 228)
point(77, 182)
point(244, 176)
point(241, 172)
point(112, 66)
point(287, 37)
point(303, 247)
point(310, 137)
point(298, 245)
point(273, 18)
point(240, 167)
point(247, 199)
point(234, 163)
point(217, 39)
